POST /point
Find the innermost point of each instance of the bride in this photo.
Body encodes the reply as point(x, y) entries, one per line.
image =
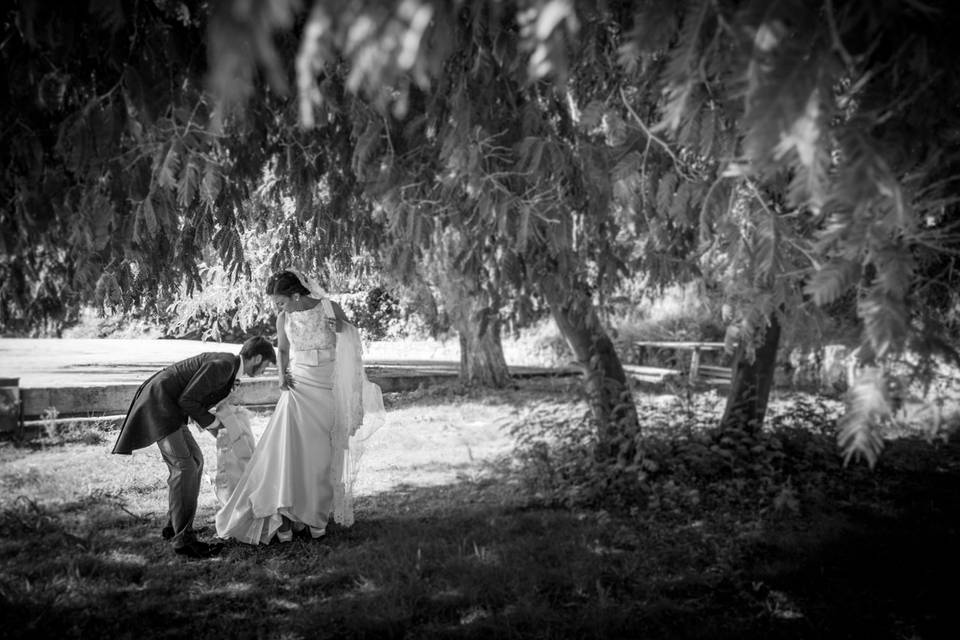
point(303, 466)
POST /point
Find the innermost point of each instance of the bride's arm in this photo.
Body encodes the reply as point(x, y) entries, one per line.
point(283, 354)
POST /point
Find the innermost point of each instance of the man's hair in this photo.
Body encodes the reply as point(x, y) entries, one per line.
point(258, 346)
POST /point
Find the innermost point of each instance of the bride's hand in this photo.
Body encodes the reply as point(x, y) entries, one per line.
point(287, 382)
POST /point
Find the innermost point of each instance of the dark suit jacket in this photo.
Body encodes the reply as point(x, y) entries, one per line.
point(185, 389)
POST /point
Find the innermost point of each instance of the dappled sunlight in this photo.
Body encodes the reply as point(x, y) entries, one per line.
point(450, 542)
point(431, 447)
point(473, 614)
point(484, 555)
point(283, 605)
point(127, 558)
point(214, 585)
point(56, 475)
point(228, 589)
point(419, 446)
point(366, 586)
point(447, 594)
point(458, 556)
point(271, 570)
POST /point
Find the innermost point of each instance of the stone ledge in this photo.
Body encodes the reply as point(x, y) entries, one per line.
point(114, 399)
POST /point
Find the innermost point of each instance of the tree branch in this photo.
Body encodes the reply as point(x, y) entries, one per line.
point(651, 136)
point(835, 37)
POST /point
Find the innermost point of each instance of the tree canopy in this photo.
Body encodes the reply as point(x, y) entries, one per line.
point(811, 147)
point(119, 172)
point(792, 151)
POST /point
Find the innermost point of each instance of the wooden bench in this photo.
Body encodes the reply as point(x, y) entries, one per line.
point(715, 374)
point(706, 373)
point(650, 374)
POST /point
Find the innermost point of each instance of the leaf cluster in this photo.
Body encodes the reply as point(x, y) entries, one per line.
point(121, 173)
point(106, 156)
point(683, 459)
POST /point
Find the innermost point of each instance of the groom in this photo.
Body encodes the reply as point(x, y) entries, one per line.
point(159, 412)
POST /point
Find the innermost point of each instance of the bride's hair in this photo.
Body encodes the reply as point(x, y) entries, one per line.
point(285, 283)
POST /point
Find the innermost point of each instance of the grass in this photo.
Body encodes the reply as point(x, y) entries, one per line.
point(453, 540)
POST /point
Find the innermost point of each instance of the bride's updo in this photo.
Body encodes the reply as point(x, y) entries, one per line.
point(285, 283)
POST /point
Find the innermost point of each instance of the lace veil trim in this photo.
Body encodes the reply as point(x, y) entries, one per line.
point(358, 411)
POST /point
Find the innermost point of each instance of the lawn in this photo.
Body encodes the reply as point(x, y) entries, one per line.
point(456, 538)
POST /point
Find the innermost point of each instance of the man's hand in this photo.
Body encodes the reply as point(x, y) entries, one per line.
point(214, 427)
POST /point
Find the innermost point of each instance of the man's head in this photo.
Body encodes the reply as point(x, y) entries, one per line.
point(257, 354)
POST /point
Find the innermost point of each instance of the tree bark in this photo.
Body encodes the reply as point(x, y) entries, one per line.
point(609, 395)
point(425, 305)
point(481, 352)
point(751, 382)
point(472, 303)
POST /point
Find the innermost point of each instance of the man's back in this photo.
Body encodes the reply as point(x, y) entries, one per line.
point(163, 403)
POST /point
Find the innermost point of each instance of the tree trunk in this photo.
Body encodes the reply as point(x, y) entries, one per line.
point(425, 305)
point(606, 383)
point(481, 352)
point(751, 383)
point(473, 306)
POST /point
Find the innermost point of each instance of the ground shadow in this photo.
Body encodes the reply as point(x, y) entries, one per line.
point(873, 564)
point(480, 558)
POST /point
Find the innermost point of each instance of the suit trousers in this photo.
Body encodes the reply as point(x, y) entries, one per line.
point(185, 463)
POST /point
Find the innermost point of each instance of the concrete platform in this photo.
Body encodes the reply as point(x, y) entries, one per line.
point(89, 377)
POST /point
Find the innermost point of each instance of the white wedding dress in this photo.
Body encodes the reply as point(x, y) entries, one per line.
point(305, 462)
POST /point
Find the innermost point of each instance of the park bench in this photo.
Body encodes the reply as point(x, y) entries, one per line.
point(650, 374)
point(696, 372)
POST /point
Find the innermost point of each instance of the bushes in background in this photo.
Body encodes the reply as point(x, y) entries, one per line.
point(376, 312)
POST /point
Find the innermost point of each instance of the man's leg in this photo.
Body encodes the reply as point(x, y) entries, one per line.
point(185, 462)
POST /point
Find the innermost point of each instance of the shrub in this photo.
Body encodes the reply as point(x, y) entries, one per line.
point(374, 312)
point(380, 308)
point(683, 458)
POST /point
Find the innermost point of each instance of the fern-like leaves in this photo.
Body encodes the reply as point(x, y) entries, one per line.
point(885, 321)
point(681, 68)
point(832, 280)
point(869, 411)
point(189, 182)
